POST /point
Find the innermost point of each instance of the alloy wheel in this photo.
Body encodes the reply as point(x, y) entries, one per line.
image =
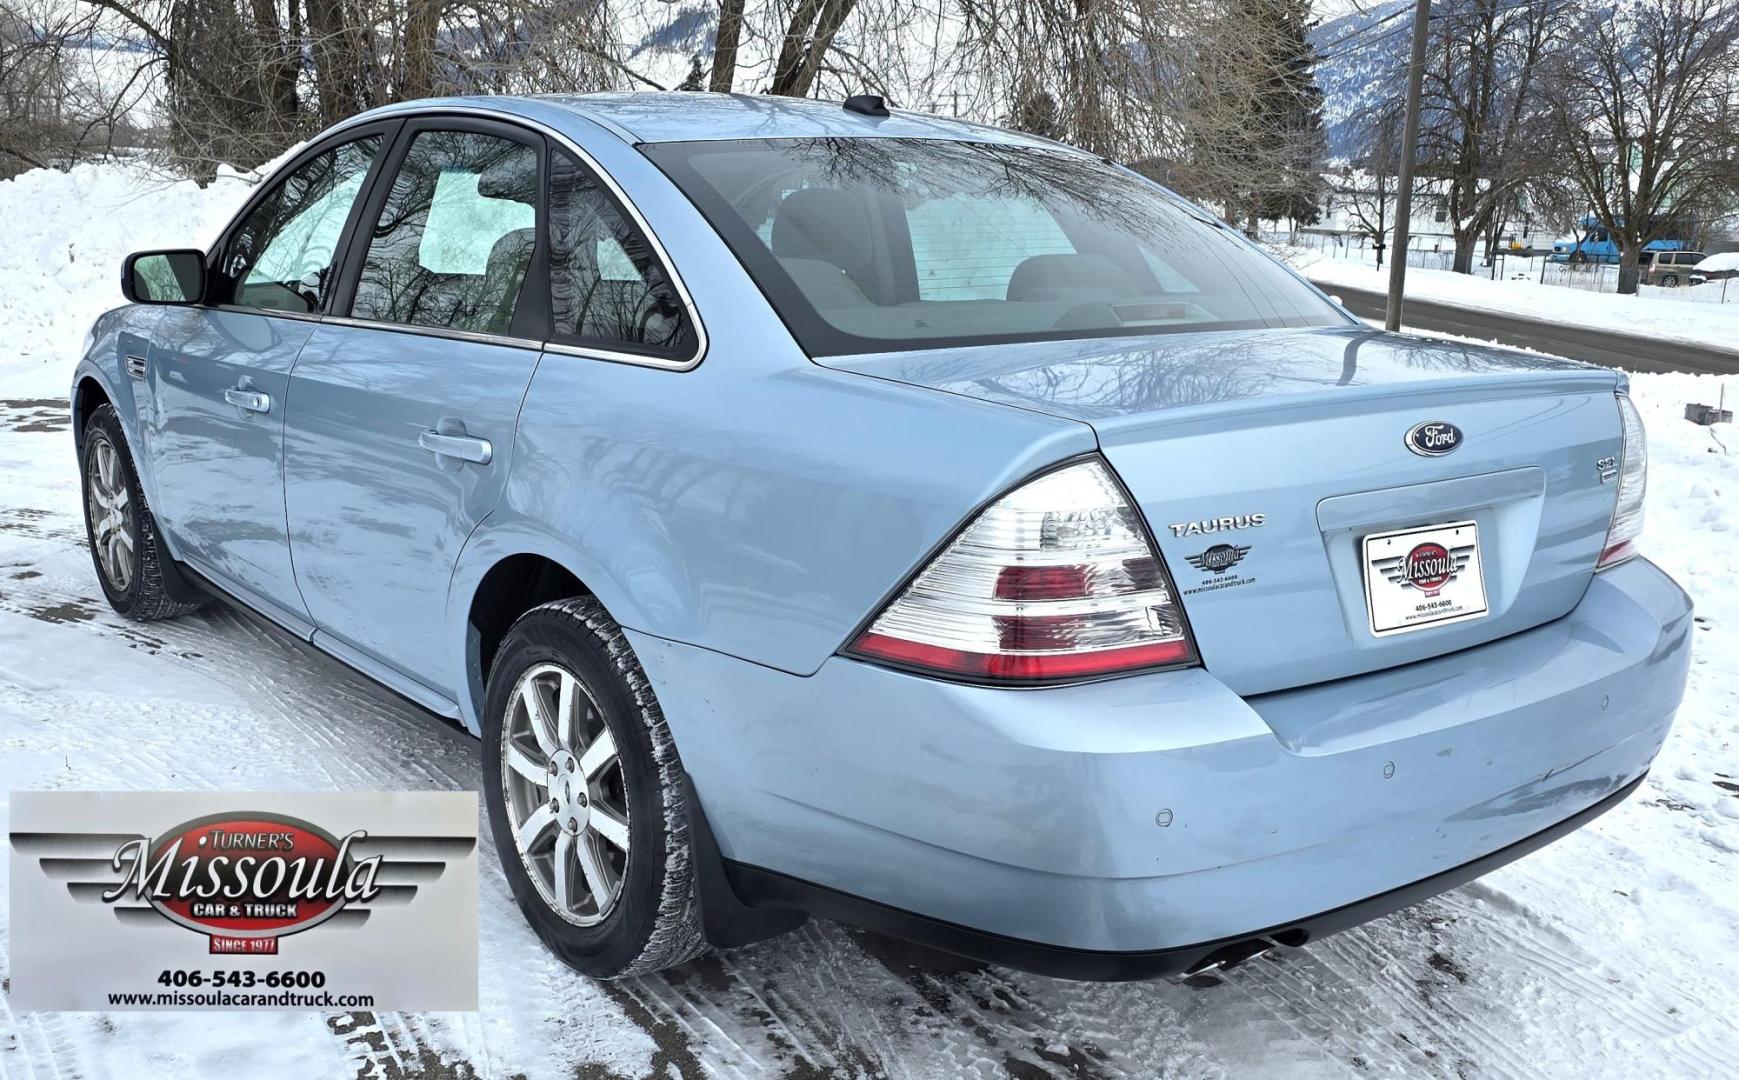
point(109, 506)
point(567, 798)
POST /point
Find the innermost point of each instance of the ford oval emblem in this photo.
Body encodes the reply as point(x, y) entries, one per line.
point(1433, 438)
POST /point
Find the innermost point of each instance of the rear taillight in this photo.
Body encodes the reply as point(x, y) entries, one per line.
point(1632, 480)
point(1056, 580)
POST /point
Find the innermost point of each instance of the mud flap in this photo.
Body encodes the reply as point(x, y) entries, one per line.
point(727, 922)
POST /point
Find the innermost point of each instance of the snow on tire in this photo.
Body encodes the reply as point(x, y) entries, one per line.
point(134, 568)
point(585, 795)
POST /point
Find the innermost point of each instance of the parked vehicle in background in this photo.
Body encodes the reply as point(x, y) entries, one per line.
point(1670, 269)
point(837, 511)
point(1716, 267)
point(1595, 245)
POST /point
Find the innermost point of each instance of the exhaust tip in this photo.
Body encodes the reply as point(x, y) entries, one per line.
point(1228, 957)
point(1207, 970)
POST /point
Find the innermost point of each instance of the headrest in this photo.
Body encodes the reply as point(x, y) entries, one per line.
point(511, 176)
point(829, 225)
point(1069, 277)
point(514, 245)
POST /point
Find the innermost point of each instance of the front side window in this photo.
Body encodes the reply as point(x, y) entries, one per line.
point(455, 235)
point(280, 257)
point(607, 287)
point(867, 245)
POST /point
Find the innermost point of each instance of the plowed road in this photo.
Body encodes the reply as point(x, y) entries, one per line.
point(1629, 351)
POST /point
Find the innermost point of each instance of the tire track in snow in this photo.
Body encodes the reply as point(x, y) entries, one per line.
point(306, 696)
point(825, 1002)
point(1405, 964)
point(1662, 1024)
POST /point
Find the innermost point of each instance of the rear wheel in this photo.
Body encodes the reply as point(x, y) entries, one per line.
point(133, 566)
point(585, 795)
point(1671, 281)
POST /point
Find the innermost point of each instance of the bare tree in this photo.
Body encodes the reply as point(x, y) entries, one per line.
point(1483, 120)
point(730, 33)
point(1182, 90)
point(1643, 103)
point(1367, 187)
point(245, 78)
point(58, 102)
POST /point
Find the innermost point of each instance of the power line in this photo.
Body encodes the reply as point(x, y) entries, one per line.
point(1342, 45)
point(1352, 42)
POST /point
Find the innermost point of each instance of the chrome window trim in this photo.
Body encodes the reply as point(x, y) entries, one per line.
point(591, 163)
point(435, 331)
point(271, 313)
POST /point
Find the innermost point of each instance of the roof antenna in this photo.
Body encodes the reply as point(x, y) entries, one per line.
point(867, 104)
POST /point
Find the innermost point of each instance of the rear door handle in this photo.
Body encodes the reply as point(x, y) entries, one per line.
point(251, 400)
point(463, 447)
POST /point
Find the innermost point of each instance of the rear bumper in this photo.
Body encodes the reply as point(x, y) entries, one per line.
point(758, 887)
point(1163, 815)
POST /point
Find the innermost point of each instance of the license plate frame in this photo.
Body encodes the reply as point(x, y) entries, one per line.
point(1422, 577)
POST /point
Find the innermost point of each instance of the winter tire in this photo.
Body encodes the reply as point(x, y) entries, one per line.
point(1671, 281)
point(585, 792)
point(133, 567)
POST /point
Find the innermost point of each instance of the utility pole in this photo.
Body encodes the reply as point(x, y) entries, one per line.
point(1409, 145)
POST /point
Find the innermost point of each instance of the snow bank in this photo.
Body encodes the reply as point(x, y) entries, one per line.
point(1650, 315)
point(65, 235)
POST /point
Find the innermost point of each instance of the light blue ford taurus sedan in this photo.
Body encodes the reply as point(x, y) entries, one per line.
point(823, 510)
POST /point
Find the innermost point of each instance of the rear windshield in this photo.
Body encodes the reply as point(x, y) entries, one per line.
point(872, 245)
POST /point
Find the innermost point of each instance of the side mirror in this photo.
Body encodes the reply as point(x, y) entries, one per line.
point(164, 277)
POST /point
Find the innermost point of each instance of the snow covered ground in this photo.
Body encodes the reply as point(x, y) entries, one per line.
point(1612, 953)
point(1653, 315)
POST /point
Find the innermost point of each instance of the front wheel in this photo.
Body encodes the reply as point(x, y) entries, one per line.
point(133, 567)
point(586, 802)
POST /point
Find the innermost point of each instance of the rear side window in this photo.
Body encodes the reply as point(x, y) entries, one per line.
point(455, 236)
point(607, 287)
point(280, 257)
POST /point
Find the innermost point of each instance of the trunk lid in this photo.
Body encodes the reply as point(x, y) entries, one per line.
point(1285, 449)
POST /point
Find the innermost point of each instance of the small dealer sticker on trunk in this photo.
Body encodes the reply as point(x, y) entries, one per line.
point(1429, 576)
point(225, 900)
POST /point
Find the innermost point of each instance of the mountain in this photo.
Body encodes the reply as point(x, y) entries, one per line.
point(1364, 66)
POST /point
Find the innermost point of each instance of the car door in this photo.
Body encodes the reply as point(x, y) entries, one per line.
point(212, 415)
point(403, 403)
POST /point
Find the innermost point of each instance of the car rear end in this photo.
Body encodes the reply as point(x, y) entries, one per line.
point(1331, 619)
point(1107, 770)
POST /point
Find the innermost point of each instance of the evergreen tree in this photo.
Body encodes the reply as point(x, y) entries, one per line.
point(696, 78)
point(1293, 148)
point(1255, 140)
point(1036, 113)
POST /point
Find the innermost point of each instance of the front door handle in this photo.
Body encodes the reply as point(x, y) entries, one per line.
point(464, 447)
point(251, 400)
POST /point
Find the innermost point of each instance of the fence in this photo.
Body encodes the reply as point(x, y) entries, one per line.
point(1509, 266)
point(1589, 277)
point(1359, 247)
point(1603, 278)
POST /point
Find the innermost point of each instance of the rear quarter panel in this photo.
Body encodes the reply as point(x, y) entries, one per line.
point(763, 515)
point(758, 505)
